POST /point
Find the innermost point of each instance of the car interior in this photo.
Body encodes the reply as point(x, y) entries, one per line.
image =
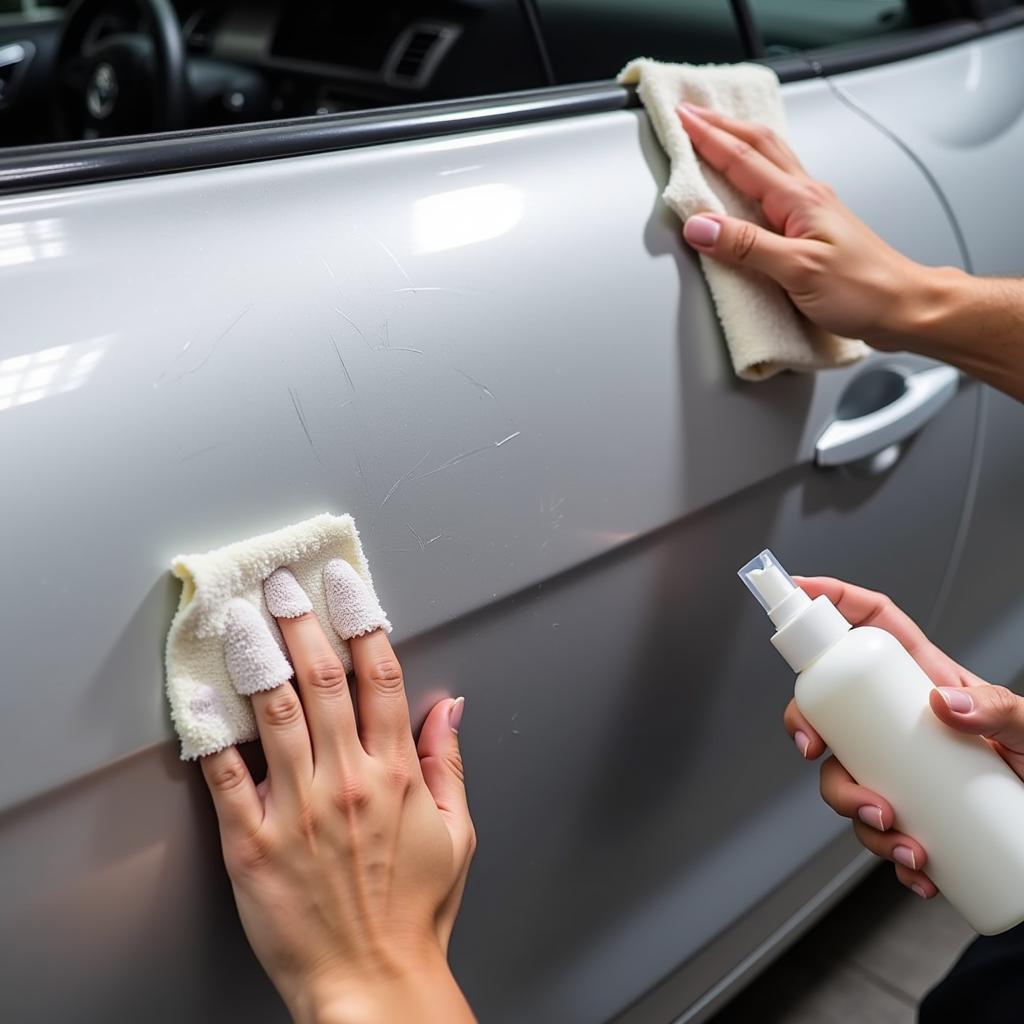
point(92, 69)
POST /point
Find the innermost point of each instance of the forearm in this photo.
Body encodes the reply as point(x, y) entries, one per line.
point(973, 323)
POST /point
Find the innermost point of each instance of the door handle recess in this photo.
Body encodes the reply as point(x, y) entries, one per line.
point(924, 394)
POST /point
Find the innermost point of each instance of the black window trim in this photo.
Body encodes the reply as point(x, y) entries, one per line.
point(63, 165)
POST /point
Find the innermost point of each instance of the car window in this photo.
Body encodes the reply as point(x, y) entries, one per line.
point(88, 72)
point(589, 40)
point(788, 26)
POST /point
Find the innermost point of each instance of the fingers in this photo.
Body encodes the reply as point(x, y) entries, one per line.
point(441, 762)
point(873, 819)
point(802, 733)
point(894, 846)
point(327, 703)
point(743, 165)
point(847, 798)
point(739, 243)
point(258, 669)
point(990, 711)
point(238, 806)
point(383, 709)
point(918, 881)
point(862, 607)
point(286, 743)
point(254, 661)
point(351, 605)
point(759, 136)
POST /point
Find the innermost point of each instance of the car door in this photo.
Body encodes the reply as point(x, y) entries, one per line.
point(482, 336)
point(972, 149)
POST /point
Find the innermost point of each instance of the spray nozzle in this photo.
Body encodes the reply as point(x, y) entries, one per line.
point(772, 585)
point(806, 628)
point(767, 580)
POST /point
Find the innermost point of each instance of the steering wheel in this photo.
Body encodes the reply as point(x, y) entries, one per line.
point(119, 70)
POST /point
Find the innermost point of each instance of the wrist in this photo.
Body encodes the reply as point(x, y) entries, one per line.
point(423, 991)
point(927, 298)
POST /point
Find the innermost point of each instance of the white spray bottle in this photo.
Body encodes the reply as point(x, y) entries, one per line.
point(868, 699)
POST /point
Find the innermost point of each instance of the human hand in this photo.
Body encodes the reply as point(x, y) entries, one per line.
point(348, 861)
point(961, 700)
point(837, 271)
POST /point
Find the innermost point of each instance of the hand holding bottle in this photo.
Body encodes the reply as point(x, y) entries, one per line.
point(961, 700)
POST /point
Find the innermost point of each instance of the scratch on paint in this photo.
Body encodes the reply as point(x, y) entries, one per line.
point(424, 544)
point(206, 358)
point(434, 288)
point(201, 451)
point(362, 473)
point(476, 383)
point(353, 324)
point(467, 455)
point(394, 259)
point(328, 268)
point(297, 405)
point(341, 359)
point(405, 476)
point(403, 348)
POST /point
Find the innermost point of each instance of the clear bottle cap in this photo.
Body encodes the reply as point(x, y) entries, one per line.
point(767, 580)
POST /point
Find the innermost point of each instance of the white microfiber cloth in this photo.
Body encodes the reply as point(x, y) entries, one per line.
point(764, 331)
point(223, 632)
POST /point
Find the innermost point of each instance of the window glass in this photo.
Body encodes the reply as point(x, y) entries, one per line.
point(248, 62)
point(589, 40)
point(788, 26)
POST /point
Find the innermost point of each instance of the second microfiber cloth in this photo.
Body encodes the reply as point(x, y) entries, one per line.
point(764, 331)
point(223, 628)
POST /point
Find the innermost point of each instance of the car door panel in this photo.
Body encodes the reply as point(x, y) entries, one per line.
point(971, 144)
point(495, 352)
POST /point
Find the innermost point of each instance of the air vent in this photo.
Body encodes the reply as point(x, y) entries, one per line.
point(417, 52)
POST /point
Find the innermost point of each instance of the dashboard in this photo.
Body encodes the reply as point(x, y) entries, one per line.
point(325, 56)
point(269, 59)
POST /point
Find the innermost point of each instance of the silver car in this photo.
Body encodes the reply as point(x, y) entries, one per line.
point(408, 260)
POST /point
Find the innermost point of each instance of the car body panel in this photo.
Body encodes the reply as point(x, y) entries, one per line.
point(493, 350)
point(971, 144)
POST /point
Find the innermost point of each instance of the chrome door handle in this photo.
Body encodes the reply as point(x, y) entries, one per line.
point(925, 393)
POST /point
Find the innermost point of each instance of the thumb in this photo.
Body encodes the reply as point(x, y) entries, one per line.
point(742, 244)
point(441, 763)
point(990, 711)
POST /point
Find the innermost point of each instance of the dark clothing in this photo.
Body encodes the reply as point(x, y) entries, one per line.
point(985, 986)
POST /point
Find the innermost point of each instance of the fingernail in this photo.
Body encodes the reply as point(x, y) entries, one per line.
point(904, 855)
point(702, 232)
point(254, 661)
point(455, 714)
point(285, 598)
point(957, 699)
point(690, 108)
point(351, 606)
point(920, 890)
point(872, 816)
point(802, 741)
